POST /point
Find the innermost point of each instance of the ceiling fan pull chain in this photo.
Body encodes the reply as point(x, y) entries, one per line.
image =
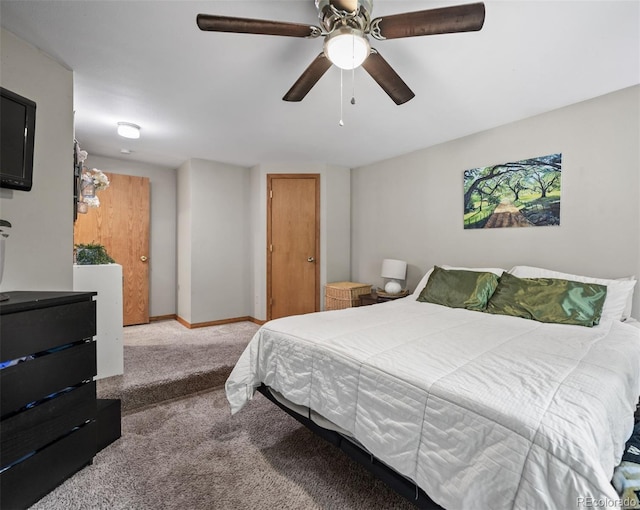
point(353, 86)
point(341, 123)
point(353, 70)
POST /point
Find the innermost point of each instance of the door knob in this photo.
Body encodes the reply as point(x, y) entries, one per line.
point(310, 259)
point(143, 258)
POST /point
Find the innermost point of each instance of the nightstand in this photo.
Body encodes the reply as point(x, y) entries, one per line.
point(380, 297)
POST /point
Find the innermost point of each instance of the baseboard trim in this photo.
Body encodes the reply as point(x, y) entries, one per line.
point(169, 317)
point(217, 323)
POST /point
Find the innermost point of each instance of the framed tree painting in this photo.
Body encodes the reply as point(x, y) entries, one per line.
point(522, 193)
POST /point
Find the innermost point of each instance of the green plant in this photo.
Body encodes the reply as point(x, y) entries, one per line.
point(92, 254)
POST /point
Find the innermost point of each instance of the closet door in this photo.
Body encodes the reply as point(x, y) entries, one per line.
point(293, 244)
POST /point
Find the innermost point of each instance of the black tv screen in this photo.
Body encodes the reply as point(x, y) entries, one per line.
point(17, 130)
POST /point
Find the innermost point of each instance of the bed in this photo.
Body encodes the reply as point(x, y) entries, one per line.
point(479, 410)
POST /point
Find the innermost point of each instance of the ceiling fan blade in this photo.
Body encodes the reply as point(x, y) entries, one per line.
point(213, 23)
point(387, 78)
point(446, 20)
point(308, 79)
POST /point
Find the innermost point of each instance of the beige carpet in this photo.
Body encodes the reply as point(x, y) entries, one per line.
point(189, 453)
point(165, 360)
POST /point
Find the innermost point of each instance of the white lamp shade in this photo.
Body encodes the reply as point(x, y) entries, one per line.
point(394, 269)
point(347, 49)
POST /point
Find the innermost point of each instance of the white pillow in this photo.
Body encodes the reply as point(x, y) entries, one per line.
point(495, 270)
point(421, 285)
point(617, 304)
point(627, 309)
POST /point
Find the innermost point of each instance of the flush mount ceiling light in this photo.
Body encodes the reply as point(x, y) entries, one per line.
point(347, 48)
point(128, 130)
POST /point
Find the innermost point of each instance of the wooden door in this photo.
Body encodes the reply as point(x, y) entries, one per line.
point(121, 224)
point(293, 244)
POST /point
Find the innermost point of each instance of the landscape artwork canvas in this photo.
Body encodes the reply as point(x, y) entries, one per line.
point(522, 193)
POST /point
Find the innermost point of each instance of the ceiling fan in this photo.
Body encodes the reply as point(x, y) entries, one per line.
point(345, 25)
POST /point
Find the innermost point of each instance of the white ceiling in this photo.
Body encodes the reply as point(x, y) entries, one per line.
point(218, 96)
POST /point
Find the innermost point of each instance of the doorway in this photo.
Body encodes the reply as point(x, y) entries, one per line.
point(121, 224)
point(293, 244)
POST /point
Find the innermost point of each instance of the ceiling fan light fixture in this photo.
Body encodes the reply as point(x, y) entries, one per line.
point(347, 48)
point(128, 130)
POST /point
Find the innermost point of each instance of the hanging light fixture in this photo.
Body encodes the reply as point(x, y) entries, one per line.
point(347, 47)
point(128, 130)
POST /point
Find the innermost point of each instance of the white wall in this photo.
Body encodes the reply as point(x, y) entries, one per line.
point(183, 236)
point(162, 235)
point(217, 267)
point(337, 220)
point(335, 225)
point(39, 251)
point(411, 207)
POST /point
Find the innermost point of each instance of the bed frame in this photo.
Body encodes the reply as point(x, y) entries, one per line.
point(380, 470)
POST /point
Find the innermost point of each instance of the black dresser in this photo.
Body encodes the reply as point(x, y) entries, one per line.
point(47, 393)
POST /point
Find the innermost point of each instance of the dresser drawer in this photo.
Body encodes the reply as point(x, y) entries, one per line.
point(35, 379)
point(26, 482)
point(34, 428)
point(28, 332)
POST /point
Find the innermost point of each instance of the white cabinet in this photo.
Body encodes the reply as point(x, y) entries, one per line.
point(106, 280)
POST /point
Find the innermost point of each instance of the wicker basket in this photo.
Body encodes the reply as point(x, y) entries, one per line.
point(339, 295)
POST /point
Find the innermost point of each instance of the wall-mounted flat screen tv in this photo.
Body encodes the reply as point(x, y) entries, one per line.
point(17, 132)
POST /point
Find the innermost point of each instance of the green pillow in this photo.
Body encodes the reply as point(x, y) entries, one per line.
point(549, 300)
point(458, 288)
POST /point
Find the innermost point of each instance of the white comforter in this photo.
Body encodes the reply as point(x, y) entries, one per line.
point(481, 411)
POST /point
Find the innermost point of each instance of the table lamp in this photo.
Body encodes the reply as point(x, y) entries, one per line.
point(394, 270)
